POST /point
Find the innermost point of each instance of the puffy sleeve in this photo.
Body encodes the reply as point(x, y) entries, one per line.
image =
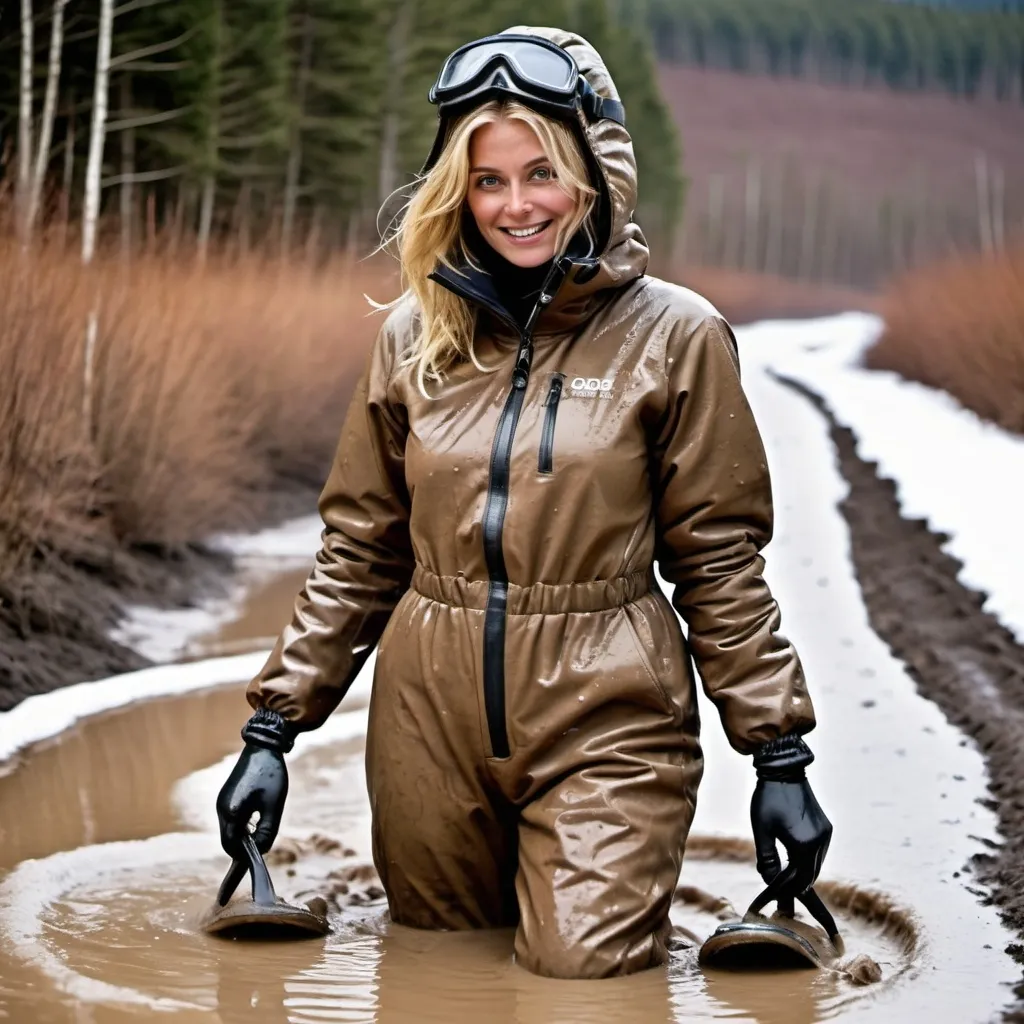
point(365, 560)
point(714, 515)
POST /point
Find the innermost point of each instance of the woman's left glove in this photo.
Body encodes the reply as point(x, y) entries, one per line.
point(783, 809)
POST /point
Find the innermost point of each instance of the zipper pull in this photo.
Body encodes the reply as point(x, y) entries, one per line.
point(555, 391)
point(521, 374)
point(552, 282)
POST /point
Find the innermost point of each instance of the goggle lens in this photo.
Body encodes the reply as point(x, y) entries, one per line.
point(536, 64)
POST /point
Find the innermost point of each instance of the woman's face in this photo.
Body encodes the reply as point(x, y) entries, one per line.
point(513, 195)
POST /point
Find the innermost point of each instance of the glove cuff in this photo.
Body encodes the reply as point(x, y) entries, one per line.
point(268, 729)
point(783, 759)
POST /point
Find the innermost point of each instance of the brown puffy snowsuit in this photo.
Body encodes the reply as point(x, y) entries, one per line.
point(533, 749)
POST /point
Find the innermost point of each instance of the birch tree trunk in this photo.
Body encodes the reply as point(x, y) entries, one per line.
point(127, 167)
point(981, 179)
point(398, 38)
point(49, 112)
point(206, 213)
point(715, 233)
point(812, 199)
point(294, 170)
point(212, 140)
point(25, 120)
point(998, 207)
point(752, 217)
point(69, 171)
point(98, 132)
point(92, 196)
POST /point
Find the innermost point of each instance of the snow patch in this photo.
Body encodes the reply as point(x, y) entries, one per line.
point(297, 538)
point(164, 635)
point(962, 475)
point(48, 714)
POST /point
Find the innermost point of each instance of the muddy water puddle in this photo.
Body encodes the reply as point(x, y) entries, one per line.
point(109, 854)
point(262, 610)
point(100, 925)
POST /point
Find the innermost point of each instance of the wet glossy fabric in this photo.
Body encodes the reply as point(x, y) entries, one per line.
point(655, 458)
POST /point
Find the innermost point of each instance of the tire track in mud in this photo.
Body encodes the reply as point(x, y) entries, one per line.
point(960, 656)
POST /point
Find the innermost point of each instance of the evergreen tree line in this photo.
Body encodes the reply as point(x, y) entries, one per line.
point(968, 5)
point(276, 123)
point(963, 50)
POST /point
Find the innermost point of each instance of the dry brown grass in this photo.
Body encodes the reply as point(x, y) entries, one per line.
point(211, 384)
point(959, 326)
point(46, 467)
point(743, 297)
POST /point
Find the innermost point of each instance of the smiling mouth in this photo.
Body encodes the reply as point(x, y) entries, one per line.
point(526, 232)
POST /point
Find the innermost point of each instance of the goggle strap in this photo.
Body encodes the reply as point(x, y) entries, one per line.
point(611, 109)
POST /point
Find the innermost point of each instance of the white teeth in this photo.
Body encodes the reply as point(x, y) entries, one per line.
point(525, 232)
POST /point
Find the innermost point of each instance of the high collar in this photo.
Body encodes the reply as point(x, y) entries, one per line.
point(517, 288)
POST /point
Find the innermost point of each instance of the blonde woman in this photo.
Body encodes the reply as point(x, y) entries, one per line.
point(538, 425)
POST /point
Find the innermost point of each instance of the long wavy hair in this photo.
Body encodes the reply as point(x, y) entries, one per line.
point(431, 232)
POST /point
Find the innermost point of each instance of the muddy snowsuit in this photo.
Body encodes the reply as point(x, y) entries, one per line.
point(533, 749)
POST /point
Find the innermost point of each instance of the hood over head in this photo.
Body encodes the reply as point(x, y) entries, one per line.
point(621, 253)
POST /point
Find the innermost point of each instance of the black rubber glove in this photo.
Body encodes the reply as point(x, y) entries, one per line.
point(257, 783)
point(783, 809)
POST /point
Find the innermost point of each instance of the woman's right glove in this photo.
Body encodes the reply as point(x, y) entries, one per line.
point(257, 783)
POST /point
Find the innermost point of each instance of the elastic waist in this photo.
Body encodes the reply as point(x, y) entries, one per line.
point(537, 599)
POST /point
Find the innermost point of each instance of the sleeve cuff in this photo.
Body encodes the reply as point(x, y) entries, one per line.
point(782, 758)
point(268, 729)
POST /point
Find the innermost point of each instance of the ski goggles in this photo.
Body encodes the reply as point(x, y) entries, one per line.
point(527, 68)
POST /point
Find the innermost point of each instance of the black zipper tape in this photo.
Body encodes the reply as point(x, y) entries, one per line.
point(494, 521)
point(496, 506)
point(545, 458)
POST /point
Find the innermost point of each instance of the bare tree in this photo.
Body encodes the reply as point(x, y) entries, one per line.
point(294, 169)
point(752, 217)
point(981, 179)
point(92, 193)
point(398, 40)
point(98, 132)
point(206, 213)
point(49, 111)
point(68, 175)
point(212, 143)
point(127, 168)
point(25, 118)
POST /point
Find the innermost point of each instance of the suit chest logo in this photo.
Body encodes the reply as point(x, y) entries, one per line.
point(591, 387)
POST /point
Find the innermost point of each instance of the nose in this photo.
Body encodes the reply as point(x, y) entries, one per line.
point(517, 204)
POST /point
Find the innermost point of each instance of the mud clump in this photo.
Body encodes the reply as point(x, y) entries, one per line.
point(350, 883)
point(862, 970)
point(961, 657)
point(289, 849)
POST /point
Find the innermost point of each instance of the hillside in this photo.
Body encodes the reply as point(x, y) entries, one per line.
point(905, 164)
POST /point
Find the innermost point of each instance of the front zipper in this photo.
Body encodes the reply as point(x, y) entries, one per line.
point(493, 526)
point(497, 504)
point(545, 458)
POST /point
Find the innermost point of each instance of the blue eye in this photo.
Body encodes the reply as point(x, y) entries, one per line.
point(545, 173)
point(487, 180)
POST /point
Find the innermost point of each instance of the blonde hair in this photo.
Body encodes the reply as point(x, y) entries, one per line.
point(430, 233)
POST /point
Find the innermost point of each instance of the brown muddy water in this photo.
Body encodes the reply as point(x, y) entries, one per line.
point(105, 931)
point(109, 855)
